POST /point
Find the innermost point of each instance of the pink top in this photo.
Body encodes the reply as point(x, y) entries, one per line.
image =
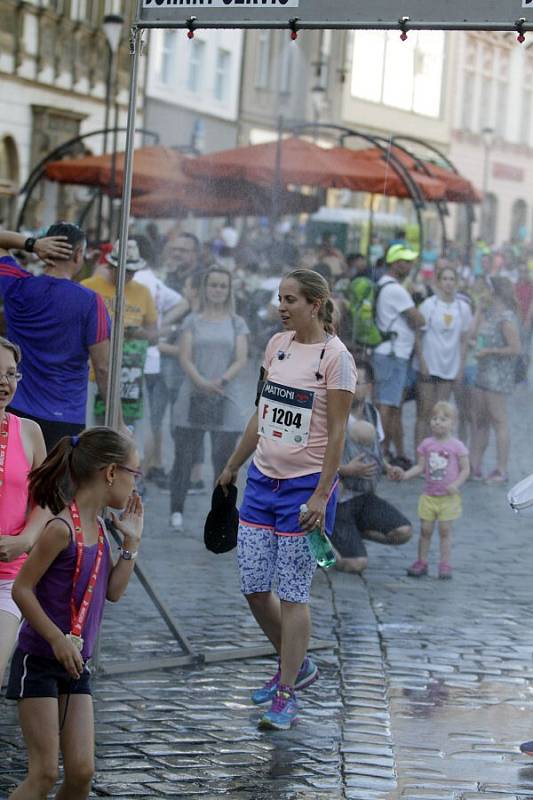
point(442, 463)
point(14, 494)
point(294, 365)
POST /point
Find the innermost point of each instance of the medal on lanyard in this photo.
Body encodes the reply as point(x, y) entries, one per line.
point(78, 617)
point(4, 437)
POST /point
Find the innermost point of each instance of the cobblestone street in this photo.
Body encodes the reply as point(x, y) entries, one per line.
point(424, 692)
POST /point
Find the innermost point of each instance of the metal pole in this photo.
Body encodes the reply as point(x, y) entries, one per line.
point(117, 336)
point(109, 83)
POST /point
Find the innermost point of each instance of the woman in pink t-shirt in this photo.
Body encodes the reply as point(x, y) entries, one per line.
point(296, 437)
point(25, 450)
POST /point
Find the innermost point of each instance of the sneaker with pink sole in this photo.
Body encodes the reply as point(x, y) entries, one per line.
point(417, 569)
point(445, 571)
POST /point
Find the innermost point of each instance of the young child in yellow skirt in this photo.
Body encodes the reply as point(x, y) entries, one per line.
point(444, 463)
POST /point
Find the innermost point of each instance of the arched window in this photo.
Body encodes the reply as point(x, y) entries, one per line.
point(9, 175)
point(519, 221)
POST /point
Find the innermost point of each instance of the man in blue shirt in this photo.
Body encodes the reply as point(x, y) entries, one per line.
point(59, 325)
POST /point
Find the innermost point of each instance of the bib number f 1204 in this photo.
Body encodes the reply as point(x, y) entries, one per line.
point(285, 414)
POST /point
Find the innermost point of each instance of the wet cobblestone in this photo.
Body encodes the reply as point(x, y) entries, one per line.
point(425, 692)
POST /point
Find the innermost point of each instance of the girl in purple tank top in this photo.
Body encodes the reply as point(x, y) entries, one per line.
point(61, 590)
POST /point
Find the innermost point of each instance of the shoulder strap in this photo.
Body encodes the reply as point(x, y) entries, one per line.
point(60, 519)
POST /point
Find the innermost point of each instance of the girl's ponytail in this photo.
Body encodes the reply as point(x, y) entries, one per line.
point(50, 484)
point(74, 461)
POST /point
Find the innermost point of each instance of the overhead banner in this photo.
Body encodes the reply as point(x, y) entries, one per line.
point(415, 14)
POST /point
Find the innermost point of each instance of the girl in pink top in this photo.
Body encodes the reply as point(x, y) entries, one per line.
point(296, 437)
point(443, 461)
point(19, 528)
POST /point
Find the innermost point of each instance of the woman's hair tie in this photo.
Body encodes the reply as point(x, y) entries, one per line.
point(74, 441)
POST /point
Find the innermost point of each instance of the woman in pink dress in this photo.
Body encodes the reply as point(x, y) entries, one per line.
point(21, 450)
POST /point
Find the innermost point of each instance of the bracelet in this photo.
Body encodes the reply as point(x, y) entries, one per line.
point(127, 555)
point(29, 244)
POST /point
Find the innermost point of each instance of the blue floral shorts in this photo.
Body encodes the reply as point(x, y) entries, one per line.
point(265, 556)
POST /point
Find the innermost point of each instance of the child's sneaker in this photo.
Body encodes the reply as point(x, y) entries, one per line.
point(283, 712)
point(417, 569)
point(306, 676)
point(445, 571)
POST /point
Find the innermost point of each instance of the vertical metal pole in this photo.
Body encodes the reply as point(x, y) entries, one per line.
point(117, 336)
point(109, 80)
point(276, 186)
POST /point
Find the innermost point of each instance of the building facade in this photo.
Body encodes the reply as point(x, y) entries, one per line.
point(192, 88)
point(53, 75)
point(295, 82)
point(492, 136)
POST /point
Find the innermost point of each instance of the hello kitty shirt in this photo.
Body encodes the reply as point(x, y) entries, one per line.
point(442, 463)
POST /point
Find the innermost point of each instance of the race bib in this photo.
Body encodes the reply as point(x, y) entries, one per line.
point(285, 414)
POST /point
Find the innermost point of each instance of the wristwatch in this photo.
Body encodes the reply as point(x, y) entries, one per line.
point(29, 244)
point(127, 555)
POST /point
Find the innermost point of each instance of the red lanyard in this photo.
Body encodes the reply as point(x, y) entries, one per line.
point(4, 437)
point(78, 617)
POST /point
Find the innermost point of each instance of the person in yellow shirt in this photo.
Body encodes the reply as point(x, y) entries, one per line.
point(140, 329)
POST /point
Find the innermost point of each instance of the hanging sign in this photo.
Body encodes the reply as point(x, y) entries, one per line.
point(379, 14)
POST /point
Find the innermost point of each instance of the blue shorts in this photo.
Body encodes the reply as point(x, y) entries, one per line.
point(390, 379)
point(275, 504)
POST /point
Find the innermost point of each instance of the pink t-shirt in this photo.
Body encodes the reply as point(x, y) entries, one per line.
point(14, 495)
point(442, 461)
point(284, 457)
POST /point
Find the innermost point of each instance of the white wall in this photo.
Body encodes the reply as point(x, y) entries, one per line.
point(175, 90)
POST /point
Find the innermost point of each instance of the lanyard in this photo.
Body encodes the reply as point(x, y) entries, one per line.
point(78, 617)
point(4, 437)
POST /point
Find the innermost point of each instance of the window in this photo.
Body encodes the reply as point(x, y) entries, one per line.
point(469, 83)
point(285, 68)
point(406, 75)
point(485, 104)
point(262, 71)
point(167, 63)
point(525, 120)
point(222, 74)
point(195, 73)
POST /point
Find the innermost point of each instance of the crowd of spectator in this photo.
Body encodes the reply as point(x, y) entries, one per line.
point(195, 311)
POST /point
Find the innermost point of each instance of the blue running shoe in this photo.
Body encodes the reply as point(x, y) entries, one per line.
point(527, 748)
point(307, 675)
point(283, 712)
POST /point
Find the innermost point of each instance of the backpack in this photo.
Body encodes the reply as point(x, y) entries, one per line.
point(363, 297)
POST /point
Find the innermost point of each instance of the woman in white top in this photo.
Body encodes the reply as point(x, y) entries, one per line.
point(440, 347)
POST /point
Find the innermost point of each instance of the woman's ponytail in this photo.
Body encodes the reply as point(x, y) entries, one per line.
point(327, 310)
point(50, 485)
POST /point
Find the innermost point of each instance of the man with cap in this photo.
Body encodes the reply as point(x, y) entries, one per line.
point(140, 328)
point(59, 326)
point(395, 315)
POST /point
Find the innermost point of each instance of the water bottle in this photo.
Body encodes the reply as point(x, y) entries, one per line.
point(320, 545)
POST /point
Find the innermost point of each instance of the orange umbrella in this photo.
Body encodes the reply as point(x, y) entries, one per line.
point(457, 188)
point(153, 168)
point(387, 181)
point(301, 162)
point(219, 199)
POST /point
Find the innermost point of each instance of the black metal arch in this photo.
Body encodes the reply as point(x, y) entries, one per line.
point(344, 133)
point(58, 152)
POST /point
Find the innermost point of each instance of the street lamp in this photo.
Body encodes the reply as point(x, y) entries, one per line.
point(487, 135)
point(112, 25)
point(318, 99)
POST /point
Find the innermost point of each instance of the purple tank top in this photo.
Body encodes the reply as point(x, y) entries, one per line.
point(54, 591)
